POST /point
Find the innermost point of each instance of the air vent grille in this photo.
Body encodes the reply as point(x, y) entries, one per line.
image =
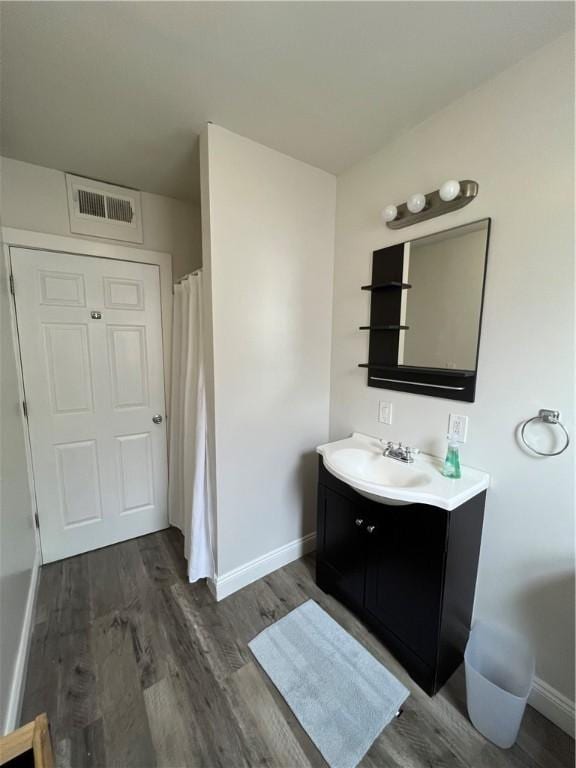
point(91, 203)
point(104, 210)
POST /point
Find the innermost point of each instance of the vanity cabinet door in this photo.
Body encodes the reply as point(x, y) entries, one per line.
point(404, 575)
point(341, 547)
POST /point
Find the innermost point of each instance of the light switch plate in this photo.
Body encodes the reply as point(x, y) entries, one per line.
point(385, 412)
point(458, 426)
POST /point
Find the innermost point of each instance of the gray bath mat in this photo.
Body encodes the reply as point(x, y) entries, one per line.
point(340, 694)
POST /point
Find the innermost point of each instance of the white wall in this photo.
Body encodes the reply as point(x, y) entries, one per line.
point(515, 136)
point(34, 198)
point(269, 223)
point(17, 536)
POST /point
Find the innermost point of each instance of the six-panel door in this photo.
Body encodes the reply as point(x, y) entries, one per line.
point(91, 342)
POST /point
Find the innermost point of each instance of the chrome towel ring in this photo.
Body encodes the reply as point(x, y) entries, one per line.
point(548, 417)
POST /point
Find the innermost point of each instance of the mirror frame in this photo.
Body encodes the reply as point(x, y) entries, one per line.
point(386, 297)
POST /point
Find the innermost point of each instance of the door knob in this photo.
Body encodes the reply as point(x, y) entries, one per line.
point(370, 528)
point(359, 522)
point(157, 419)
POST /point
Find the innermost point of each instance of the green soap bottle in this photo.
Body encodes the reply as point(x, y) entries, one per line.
point(452, 461)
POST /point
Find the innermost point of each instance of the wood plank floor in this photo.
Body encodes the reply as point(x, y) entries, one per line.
point(135, 668)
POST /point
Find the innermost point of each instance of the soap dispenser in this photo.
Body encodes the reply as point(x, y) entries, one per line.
point(452, 461)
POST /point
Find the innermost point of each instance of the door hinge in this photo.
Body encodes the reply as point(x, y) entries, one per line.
point(25, 408)
point(11, 280)
point(37, 520)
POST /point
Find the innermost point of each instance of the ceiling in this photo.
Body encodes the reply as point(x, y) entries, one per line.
point(120, 90)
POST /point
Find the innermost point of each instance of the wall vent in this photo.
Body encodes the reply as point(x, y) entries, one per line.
point(104, 210)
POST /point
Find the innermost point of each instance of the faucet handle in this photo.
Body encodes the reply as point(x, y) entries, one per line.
point(412, 452)
point(387, 446)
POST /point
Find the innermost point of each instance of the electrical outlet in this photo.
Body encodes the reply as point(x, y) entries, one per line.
point(458, 426)
point(385, 412)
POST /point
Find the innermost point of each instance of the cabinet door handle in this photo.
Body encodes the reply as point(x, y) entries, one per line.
point(359, 522)
point(370, 528)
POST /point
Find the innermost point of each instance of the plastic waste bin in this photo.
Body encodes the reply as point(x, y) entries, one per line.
point(499, 668)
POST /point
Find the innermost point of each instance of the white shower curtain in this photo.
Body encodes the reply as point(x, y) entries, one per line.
point(189, 488)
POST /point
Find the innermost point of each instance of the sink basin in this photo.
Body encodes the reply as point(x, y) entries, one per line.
point(375, 468)
point(358, 461)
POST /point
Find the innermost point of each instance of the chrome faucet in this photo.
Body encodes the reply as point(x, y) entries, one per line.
point(400, 452)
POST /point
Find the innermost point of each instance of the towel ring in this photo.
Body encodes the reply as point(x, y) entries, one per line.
point(548, 417)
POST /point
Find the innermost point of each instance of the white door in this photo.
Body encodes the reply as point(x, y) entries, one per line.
point(91, 341)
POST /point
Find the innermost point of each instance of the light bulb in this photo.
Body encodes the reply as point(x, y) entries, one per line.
point(389, 213)
point(416, 202)
point(450, 190)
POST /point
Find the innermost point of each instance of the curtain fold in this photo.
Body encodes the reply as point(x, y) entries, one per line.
point(188, 485)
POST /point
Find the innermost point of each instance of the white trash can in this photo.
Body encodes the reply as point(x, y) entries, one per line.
point(499, 668)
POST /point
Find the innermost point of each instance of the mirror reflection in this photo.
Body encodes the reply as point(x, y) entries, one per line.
point(443, 307)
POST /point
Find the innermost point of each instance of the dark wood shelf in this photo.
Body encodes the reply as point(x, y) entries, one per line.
point(384, 328)
point(414, 369)
point(382, 286)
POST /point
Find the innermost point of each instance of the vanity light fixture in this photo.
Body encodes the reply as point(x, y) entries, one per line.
point(451, 196)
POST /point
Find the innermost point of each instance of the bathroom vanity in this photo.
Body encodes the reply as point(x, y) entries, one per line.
point(399, 545)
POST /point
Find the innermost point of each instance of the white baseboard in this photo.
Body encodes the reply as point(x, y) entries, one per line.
point(553, 705)
point(21, 664)
point(222, 586)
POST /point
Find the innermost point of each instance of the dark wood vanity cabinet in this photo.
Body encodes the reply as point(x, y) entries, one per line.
point(408, 571)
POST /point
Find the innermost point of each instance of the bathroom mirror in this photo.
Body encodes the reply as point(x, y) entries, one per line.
point(426, 312)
